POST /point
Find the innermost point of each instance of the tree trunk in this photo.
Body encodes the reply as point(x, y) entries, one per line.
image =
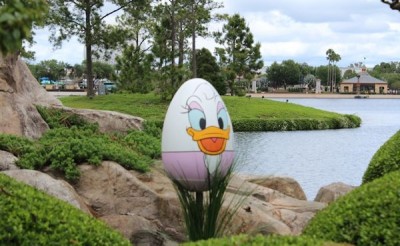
point(89, 64)
point(194, 59)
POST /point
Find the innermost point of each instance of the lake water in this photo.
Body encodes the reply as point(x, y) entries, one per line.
point(318, 158)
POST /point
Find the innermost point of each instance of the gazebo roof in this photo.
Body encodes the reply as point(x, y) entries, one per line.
point(365, 78)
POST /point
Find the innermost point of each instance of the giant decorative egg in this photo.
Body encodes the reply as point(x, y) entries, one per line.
point(197, 137)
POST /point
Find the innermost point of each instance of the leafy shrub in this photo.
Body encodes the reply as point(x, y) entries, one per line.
point(272, 240)
point(73, 141)
point(153, 128)
point(57, 118)
point(385, 160)
point(16, 145)
point(144, 143)
point(369, 215)
point(31, 217)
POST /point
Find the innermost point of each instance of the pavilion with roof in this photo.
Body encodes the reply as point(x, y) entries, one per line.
point(364, 83)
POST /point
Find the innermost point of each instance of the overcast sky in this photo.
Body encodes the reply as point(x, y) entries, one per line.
point(358, 30)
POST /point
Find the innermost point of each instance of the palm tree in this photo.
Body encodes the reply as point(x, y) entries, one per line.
point(332, 58)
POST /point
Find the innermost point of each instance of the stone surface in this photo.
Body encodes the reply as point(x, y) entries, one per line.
point(7, 161)
point(57, 188)
point(109, 121)
point(113, 191)
point(285, 185)
point(331, 192)
point(19, 93)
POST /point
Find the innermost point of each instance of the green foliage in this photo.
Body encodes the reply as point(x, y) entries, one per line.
point(208, 69)
point(258, 110)
point(204, 218)
point(135, 70)
point(16, 21)
point(385, 160)
point(272, 240)
point(245, 125)
point(57, 118)
point(144, 143)
point(73, 141)
point(240, 55)
point(52, 69)
point(31, 217)
point(369, 215)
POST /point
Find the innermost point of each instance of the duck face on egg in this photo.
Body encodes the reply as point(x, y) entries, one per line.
point(208, 118)
point(197, 137)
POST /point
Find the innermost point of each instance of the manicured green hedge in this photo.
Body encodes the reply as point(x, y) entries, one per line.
point(369, 215)
point(31, 217)
point(247, 125)
point(272, 240)
point(385, 160)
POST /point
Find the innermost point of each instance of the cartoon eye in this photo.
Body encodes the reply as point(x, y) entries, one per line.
point(197, 119)
point(222, 119)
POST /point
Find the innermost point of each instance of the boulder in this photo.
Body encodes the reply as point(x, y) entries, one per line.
point(7, 161)
point(285, 185)
point(57, 188)
point(109, 121)
point(19, 93)
point(285, 215)
point(111, 190)
point(331, 192)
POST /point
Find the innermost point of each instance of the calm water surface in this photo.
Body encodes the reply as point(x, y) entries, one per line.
point(318, 158)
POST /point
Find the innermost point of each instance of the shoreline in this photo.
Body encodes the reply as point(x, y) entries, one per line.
point(320, 96)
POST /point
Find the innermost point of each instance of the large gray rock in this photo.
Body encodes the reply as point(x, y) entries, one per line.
point(7, 161)
point(57, 188)
point(19, 93)
point(113, 192)
point(285, 185)
point(331, 192)
point(109, 121)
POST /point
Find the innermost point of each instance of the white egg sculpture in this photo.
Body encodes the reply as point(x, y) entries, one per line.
point(197, 137)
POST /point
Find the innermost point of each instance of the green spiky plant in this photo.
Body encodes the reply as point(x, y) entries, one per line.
point(202, 211)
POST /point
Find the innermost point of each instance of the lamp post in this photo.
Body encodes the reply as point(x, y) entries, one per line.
point(358, 84)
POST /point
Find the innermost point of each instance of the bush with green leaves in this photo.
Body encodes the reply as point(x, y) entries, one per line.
point(385, 160)
point(272, 240)
point(369, 215)
point(73, 141)
point(31, 217)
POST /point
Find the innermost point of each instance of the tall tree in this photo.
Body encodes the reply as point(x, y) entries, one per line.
point(287, 73)
point(240, 56)
point(332, 58)
point(209, 70)
point(200, 14)
point(52, 69)
point(86, 20)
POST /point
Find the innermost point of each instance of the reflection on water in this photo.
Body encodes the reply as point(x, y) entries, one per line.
point(318, 158)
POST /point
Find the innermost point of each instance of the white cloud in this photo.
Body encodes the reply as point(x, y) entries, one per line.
point(298, 30)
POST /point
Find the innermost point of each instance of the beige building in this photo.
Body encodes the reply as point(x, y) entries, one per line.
point(364, 83)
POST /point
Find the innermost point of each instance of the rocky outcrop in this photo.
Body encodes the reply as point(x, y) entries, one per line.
point(331, 192)
point(146, 210)
point(19, 93)
point(285, 185)
point(109, 121)
point(7, 161)
point(57, 188)
point(118, 196)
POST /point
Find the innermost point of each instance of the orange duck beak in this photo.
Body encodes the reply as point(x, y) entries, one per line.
point(212, 140)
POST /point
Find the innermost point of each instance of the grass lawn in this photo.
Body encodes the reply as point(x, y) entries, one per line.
point(150, 107)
